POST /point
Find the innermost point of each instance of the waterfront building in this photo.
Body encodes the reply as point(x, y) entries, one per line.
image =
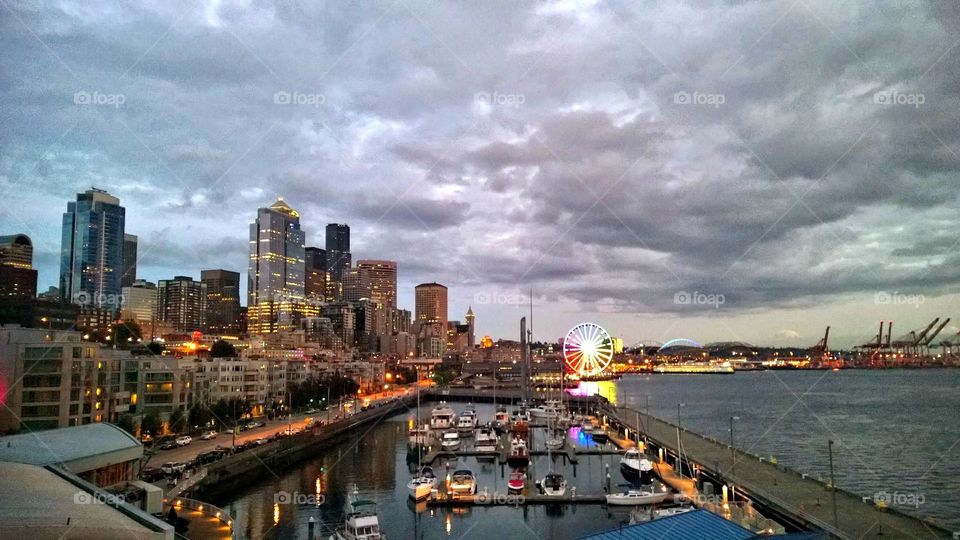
point(158, 385)
point(129, 260)
point(338, 250)
point(181, 305)
point(91, 254)
point(140, 305)
point(18, 279)
point(259, 382)
point(275, 279)
point(223, 301)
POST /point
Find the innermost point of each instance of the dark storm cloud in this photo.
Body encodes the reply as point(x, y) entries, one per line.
point(503, 145)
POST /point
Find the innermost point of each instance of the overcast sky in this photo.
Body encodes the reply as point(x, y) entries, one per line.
point(786, 164)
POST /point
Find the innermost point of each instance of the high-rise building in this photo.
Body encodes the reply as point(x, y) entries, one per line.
point(129, 260)
point(338, 250)
point(18, 279)
point(382, 276)
point(140, 304)
point(91, 253)
point(471, 328)
point(315, 273)
point(275, 280)
point(182, 304)
point(431, 303)
point(223, 301)
point(356, 284)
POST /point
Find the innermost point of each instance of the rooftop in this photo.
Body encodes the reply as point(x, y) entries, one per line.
point(695, 525)
point(79, 448)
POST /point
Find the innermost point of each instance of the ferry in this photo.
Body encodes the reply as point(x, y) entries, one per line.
point(699, 368)
point(442, 417)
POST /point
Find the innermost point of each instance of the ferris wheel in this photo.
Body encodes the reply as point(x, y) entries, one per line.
point(588, 349)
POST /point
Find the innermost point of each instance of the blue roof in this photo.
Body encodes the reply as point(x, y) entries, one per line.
point(695, 525)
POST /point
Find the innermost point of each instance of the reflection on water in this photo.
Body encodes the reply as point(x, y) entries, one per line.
point(607, 389)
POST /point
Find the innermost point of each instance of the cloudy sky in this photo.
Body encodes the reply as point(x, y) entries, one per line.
point(740, 170)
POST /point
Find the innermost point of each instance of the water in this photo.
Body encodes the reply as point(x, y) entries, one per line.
point(895, 431)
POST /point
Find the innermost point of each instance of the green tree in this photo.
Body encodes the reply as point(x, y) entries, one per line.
point(178, 421)
point(151, 425)
point(444, 375)
point(200, 414)
point(222, 349)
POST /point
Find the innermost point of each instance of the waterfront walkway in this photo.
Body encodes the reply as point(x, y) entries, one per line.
point(779, 488)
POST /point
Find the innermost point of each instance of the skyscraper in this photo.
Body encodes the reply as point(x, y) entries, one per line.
point(182, 304)
point(140, 304)
point(91, 252)
point(129, 260)
point(382, 276)
point(18, 279)
point(338, 250)
point(431, 303)
point(356, 284)
point(315, 272)
point(472, 328)
point(275, 279)
point(223, 301)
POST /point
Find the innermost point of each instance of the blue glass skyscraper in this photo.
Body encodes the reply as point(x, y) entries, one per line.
point(91, 253)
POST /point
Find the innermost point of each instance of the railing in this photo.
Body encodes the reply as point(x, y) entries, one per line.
point(199, 506)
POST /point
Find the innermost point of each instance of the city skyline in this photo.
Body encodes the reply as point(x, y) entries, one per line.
point(498, 164)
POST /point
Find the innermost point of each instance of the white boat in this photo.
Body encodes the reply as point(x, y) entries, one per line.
point(636, 497)
point(442, 417)
point(462, 482)
point(666, 512)
point(636, 467)
point(466, 423)
point(724, 368)
point(519, 457)
point(422, 485)
point(486, 440)
point(450, 441)
point(361, 523)
point(501, 419)
point(553, 485)
point(586, 425)
point(555, 440)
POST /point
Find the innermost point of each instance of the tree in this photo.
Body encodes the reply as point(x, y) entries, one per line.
point(151, 425)
point(222, 349)
point(126, 423)
point(155, 348)
point(444, 375)
point(200, 414)
point(178, 421)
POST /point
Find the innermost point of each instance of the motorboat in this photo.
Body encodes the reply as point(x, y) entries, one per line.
point(423, 484)
point(442, 417)
point(520, 415)
point(550, 410)
point(471, 411)
point(576, 420)
point(450, 441)
point(555, 440)
point(419, 435)
point(463, 482)
point(636, 467)
point(501, 419)
point(586, 425)
point(362, 523)
point(517, 481)
point(519, 457)
point(553, 485)
point(466, 423)
point(636, 497)
point(599, 435)
point(486, 440)
point(667, 512)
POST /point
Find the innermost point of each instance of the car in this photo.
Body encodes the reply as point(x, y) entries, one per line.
point(260, 442)
point(171, 467)
point(229, 432)
point(311, 411)
point(151, 474)
point(209, 435)
point(168, 445)
point(184, 440)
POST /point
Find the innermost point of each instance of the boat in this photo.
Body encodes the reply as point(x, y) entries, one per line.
point(419, 435)
point(486, 440)
point(636, 497)
point(463, 482)
point(586, 425)
point(442, 417)
point(423, 484)
point(517, 481)
point(555, 440)
point(362, 522)
point(450, 441)
point(576, 420)
point(466, 424)
point(519, 457)
point(692, 368)
point(501, 419)
point(636, 467)
point(667, 512)
point(553, 485)
point(599, 435)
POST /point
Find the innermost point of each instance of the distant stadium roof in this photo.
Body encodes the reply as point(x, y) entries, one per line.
point(695, 525)
point(78, 448)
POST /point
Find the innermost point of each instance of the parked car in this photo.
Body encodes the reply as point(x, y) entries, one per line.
point(171, 467)
point(209, 435)
point(260, 442)
point(168, 445)
point(151, 474)
point(184, 440)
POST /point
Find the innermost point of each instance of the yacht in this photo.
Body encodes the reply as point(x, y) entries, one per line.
point(517, 481)
point(423, 484)
point(462, 482)
point(555, 440)
point(553, 485)
point(519, 457)
point(501, 419)
point(450, 441)
point(466, 424)
point(361, 523)
point(550, 410)
point(636, 467)
point(636, 497)
point(486, 440)
point(586, 425)
point(442, 417)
